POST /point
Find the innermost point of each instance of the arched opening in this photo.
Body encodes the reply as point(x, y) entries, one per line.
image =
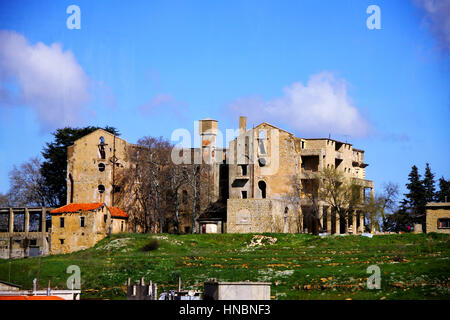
point(101, 188)
point(101, 167)
point(262, 187)
point(101, 148)
point(184, 197)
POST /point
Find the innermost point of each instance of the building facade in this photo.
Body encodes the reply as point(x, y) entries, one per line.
point(93, 165)
point(265, 165)
point(24, 232)
point(250, 184)
point(438, 217)
point(79, 226)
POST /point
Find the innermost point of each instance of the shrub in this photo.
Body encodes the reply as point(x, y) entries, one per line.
point(152, 245)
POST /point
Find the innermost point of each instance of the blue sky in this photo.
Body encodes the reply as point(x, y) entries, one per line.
point(149, 67)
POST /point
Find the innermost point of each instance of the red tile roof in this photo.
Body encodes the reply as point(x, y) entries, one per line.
point(117, 213)
point(75, 207)
point(30, 298)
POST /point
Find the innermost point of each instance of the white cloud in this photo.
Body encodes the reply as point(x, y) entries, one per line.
point(321, 107)
point(44, 78)
point(437, 18)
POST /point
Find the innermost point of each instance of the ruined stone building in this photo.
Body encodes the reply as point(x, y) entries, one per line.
point(249, 184)
point(78, 226)
point(247, 187)
point(438, 217)
point(93, 164)
point(24, 232)
point(261, 166)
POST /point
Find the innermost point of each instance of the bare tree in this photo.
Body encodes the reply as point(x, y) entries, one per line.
point(178, 176)
point(342, 194)
point(155, 188)
point(27, 187)
point(195, 179)
point(4, 200)
point(381, 205)
point(145, 183)
point(293, 199)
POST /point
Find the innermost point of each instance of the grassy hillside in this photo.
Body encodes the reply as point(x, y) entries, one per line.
point(299, 266)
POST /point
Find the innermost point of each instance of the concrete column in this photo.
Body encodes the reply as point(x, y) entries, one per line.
point(320, 213)
point(27, 220)
point(43, 220)
point(329, 220)
point(320, 161)
point(338, 224)
point(11, 220)
point(300, 217)
point(353, 217)
point(361, 222)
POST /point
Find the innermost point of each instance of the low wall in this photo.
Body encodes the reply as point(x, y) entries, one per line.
point(236, 291)
point(260, 215)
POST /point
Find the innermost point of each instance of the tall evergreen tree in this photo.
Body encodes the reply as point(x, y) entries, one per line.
point(428, 184)
point(443, 195)
point(54, 167)
point(400, 219)
point(416, 196)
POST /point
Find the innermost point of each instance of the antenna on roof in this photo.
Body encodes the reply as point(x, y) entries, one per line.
point(346, 137)
point(329, 135)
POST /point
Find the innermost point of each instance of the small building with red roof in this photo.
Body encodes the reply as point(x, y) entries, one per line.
point(78, 226)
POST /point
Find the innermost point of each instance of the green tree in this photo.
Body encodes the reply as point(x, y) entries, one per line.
point(443, 195)
point(416, 197)
point(54, 167)
point(428, 184)
point(399, 220)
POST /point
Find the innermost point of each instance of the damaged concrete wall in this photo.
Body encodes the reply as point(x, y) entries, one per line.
point(24, 232)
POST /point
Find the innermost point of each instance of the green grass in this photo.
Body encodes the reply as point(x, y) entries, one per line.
point(299, 266)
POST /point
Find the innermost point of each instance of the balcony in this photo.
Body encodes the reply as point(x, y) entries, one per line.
point(339, 155)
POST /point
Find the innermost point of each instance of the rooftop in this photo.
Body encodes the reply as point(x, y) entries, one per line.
point(83, 207)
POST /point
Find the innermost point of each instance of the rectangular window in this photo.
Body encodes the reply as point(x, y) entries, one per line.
point(244, 194)
point(61, 241)
point(244, 169)
point(61, 222)
point(121, 226)
point(82, 222)
point(104, 218)
point(444, 223)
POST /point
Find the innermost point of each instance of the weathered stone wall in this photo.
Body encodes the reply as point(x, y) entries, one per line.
point(273, 165)
point(435, 213)
point(283, 163)
point(119, 225)
point(87, 170)
point(76, 237)
point(259, 215)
